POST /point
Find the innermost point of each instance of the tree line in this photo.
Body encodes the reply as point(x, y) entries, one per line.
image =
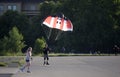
point(96, 26)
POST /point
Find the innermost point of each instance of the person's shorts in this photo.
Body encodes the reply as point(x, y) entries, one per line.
point(27, 60)
point(45, 55)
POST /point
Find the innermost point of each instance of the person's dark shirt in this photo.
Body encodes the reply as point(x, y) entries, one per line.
point(115, 48)
point(46, 50)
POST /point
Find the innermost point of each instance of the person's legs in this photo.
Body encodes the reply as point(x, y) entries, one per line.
point(115, 52)
point(44, 59)
point(47, 59)
point(22, 69)
point(28, 67)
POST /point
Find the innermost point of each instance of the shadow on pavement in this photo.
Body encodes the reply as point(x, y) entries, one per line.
point(6, 75)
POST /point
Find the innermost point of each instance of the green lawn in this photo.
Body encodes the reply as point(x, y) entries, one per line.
point(6, 61)
point(72, 54)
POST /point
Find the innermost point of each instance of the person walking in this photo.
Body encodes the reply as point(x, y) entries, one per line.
point(46, 50)
point(116, 49)
point(28, 60)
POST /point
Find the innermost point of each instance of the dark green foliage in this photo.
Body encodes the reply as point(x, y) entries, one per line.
point(96, 25)
point(39, 45)
point(93, 25)
point(10, 19)
point(12, 43)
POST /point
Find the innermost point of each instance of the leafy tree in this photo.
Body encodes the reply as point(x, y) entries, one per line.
point(11, 18)
point(93, 24)
point(3, 47)
point(116, 18)
point(14, 42)
point(49, 8)
point(39, 45)
point(96, 25)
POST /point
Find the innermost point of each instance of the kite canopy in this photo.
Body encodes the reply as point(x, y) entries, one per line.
point(58, 23)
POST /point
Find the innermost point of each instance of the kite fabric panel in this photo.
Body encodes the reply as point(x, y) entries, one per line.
point(58, 23)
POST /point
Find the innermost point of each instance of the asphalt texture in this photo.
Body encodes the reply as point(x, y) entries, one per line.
point(75, 66)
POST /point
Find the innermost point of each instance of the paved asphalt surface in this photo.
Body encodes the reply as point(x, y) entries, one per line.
point(79, 66)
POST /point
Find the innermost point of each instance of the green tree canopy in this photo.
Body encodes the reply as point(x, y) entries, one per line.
point(39, 45)
point(96, 25)
point(11, 18)
point(12, 43)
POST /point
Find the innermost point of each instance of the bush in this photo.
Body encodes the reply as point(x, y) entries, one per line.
point(3, 64)
point(39, 44)
point(13, 43)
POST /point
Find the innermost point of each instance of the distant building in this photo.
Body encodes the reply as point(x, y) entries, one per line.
point(29, 7)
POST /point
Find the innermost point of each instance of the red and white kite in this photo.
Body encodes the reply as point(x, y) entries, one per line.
point(58, 23)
